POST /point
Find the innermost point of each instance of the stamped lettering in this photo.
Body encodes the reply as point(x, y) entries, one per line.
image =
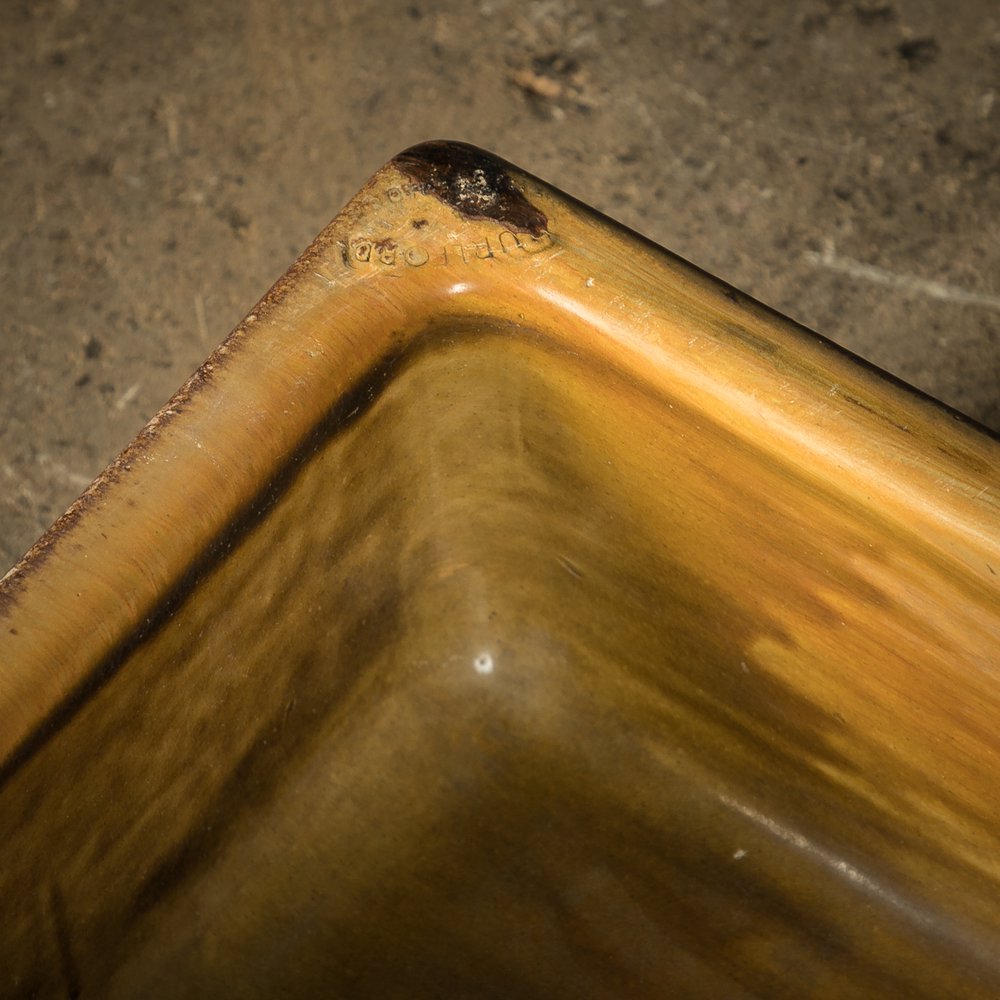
point(403, 191)
point(365, 251)
point(506, 243)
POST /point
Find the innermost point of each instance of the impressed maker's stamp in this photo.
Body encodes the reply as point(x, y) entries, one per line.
point(366, 252)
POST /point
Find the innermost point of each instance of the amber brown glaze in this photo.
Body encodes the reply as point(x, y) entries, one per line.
point(508, 609)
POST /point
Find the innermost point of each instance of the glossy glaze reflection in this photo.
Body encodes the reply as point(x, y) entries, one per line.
point(535, 617)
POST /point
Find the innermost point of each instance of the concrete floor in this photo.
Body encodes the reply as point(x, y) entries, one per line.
point(162, 163)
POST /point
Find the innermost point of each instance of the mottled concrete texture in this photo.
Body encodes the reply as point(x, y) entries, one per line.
point(162, 164)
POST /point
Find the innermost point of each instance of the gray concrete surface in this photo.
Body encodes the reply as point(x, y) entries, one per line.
point(162, 163)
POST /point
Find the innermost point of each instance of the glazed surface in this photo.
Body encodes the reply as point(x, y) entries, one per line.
point(535, 616)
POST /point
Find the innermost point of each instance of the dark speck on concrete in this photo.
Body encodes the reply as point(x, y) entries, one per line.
point(918, 52)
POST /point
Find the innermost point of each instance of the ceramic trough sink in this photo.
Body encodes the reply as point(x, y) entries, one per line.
point(510, 609)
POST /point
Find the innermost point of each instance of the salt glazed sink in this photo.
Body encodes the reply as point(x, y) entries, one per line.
point(509, 609)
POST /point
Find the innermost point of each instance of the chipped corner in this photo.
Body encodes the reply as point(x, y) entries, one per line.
point(474, 183)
